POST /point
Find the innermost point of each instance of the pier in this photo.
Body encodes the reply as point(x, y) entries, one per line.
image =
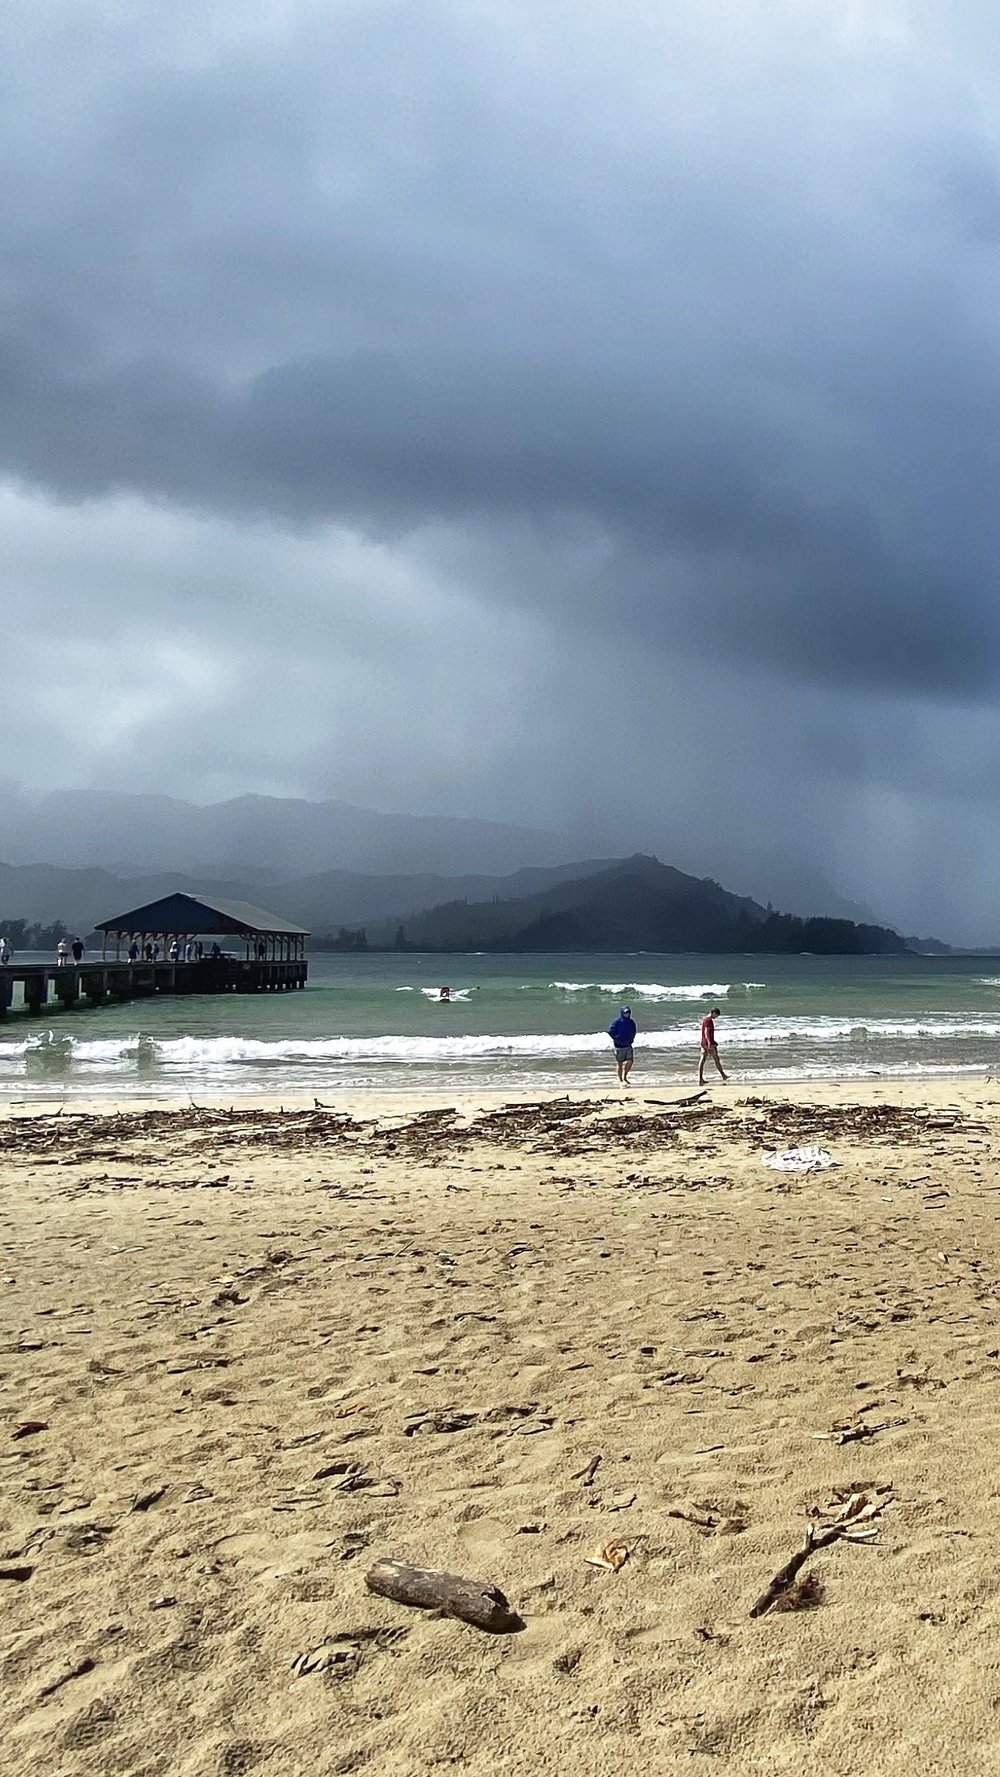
point(39, 987)
point(161, 948)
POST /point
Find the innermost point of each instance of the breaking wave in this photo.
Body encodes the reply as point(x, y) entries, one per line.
point(655, 990)
point(222, 1053)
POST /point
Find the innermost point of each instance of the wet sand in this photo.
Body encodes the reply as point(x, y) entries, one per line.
point(269, 1348)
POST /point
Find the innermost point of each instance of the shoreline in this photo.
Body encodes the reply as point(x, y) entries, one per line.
point(377, 1102)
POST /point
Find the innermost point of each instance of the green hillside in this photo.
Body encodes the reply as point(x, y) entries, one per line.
point(636, 904)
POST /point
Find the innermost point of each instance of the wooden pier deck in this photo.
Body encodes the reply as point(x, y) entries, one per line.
point(39, 987)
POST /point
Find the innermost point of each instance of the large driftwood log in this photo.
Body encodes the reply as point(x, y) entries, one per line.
point(474, 1601)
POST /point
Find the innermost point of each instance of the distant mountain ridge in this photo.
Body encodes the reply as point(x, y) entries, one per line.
point(44, 892)
point(260, 836)
point(260, 840)
point(79, 854)
point(637, 903)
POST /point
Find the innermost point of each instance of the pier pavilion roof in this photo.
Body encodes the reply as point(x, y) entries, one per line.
point(200, 914)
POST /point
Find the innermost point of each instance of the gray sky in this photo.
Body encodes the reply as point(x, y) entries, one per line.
point(585, 413)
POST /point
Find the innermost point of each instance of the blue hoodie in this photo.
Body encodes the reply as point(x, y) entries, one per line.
point(622, 1031)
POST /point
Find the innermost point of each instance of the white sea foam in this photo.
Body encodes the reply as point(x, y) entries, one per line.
point(227, 1053)
point(56, 1046)
point(849, 1069)
point(655, 990)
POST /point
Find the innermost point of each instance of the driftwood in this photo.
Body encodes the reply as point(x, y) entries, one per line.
point(474, 1601)
point(785, 1575)
point(672, 1103)
point(850, 1517)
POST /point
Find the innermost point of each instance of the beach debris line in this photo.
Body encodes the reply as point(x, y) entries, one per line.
point(563, 1127)
point(788, 1125)
point(426, 1588)
point(849, 1517)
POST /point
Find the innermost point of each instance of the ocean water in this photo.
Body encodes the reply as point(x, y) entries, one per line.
point(520, 1023)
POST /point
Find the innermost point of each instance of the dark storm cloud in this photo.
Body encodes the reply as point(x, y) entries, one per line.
point(410, 265)
point(417, 402)
point(787, 574)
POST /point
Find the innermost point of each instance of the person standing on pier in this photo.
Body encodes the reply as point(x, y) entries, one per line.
point(133, 952)
point(4, 952)
point(62, 953)
point(77, 947)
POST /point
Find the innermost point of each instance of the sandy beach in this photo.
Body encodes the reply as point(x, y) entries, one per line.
point(246, 1353)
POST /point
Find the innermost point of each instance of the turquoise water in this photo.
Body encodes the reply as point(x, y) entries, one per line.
point(521, 1023)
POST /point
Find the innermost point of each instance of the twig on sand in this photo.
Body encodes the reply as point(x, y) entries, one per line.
point(847, 1519)
point(785, 1575)
point(80, 1670)
point(848, 1431)
point(586, 1475)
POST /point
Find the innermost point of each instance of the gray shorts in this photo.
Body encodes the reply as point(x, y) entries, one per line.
point(624, 1054)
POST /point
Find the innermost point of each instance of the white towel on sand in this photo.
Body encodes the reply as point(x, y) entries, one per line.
point(799, 1160)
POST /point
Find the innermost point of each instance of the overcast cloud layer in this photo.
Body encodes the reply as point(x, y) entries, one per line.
point(585, 413)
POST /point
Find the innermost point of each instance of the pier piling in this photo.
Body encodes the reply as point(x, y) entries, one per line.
point(101, 983)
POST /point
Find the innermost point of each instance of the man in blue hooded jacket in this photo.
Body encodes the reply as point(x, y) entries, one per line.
point(622, 1034)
